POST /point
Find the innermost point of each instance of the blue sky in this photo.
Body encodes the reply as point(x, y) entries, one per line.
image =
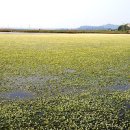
point(63, 13)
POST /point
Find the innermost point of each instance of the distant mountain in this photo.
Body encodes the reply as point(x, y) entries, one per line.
point(102, 27)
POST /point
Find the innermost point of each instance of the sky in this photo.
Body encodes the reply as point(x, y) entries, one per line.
point(63, 13)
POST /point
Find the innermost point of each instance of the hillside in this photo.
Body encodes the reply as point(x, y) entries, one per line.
point(102, 27)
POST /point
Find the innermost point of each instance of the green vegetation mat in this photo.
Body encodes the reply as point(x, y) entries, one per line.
point(65, 81)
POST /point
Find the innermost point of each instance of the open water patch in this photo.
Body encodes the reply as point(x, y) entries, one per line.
point(70, 70)
point(34, 80)
point(17, 95)
point(119, 88)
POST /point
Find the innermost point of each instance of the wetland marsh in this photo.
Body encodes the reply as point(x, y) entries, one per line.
point(65, 81)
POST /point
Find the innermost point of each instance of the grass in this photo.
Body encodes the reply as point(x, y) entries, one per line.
point(70, 75)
